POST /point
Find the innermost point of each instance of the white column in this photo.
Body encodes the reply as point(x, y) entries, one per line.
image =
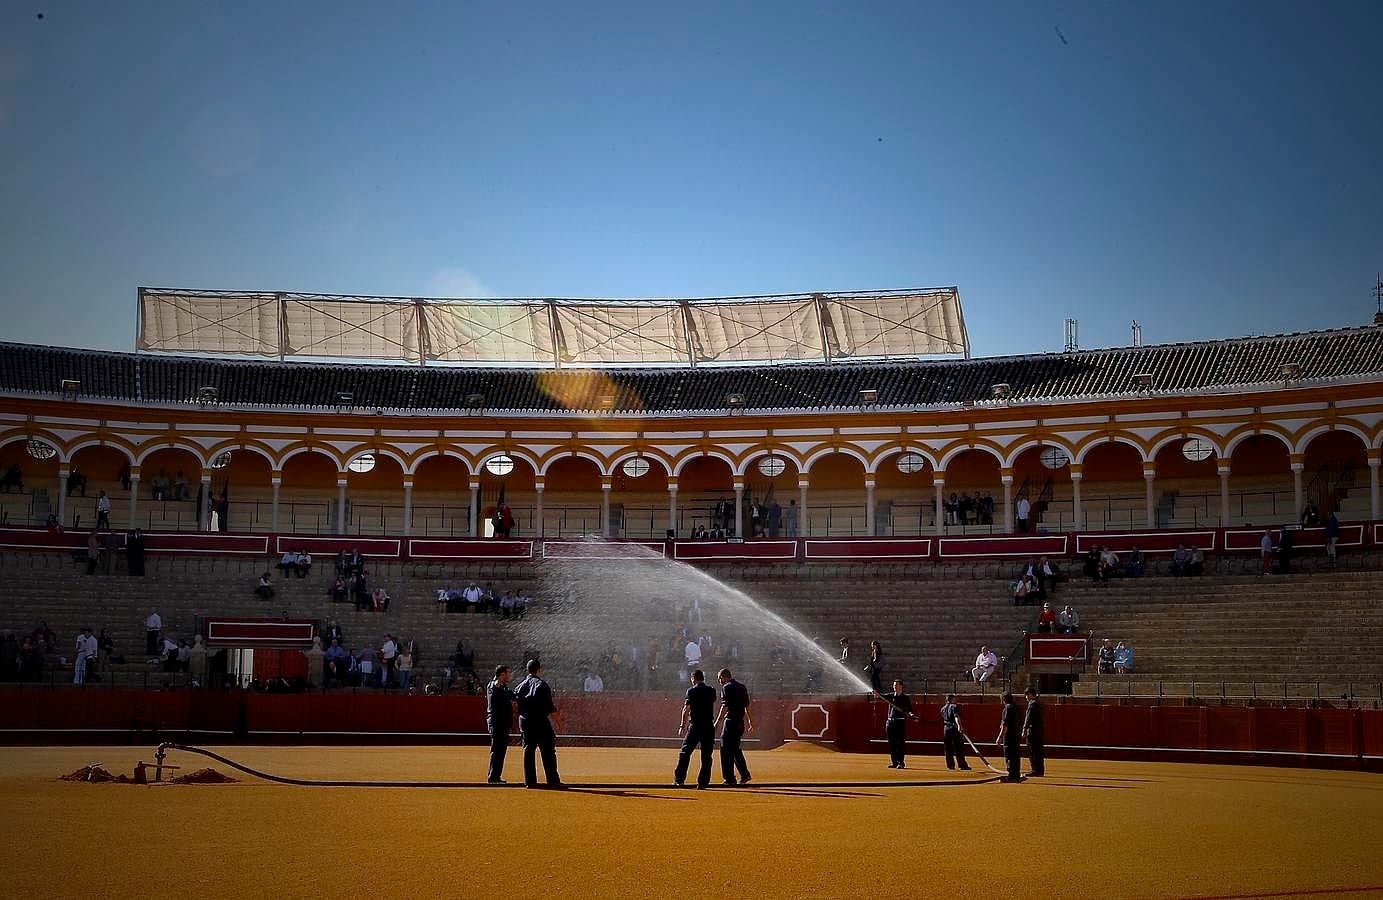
point(739, 509)
point(672, 509)
point(1298, 466)
point(473, 516)
point(1223, 470)
point(408, 507)
point(939, 483)
point(62, 495)
point(869, 508)
point(1077, 514)
point(802, 509)
point(205, 504)
point(341, 505)
point(134, 498)
point(538, 508)
point(1150, 496)
point(1007, 481)
point(605, 486)
point(275, 479)
point(1375, 512)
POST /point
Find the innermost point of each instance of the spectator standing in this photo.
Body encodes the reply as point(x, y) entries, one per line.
point(1068, 619)
point(792, 518)
point(337, 663)
point(593, 684)
point(1197, 561)
point(134, 552)
point(1024, 511)
point(1310, 515)
point(1265, 551)
point(692, 654)
point(405, 664)
point(102, 510)
point(875, 667)
point(1284, 551)
point(153, 624)
point(388, 653)
point(1123, 658)
point(1332, 536)
point(93, 552)
point(85, 650)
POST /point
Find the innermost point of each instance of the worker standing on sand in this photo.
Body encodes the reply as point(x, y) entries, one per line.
point(734, 710)
point(1033, 733)
point(499, 718)
point(698, 724)
point(953, 735)
point(1010, 724)
point(535, 706)
point(896, 726)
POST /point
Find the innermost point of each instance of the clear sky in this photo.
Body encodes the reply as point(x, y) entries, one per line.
point(1209, 169)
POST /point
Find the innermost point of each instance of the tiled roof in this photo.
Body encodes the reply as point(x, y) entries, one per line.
point(1323, 356)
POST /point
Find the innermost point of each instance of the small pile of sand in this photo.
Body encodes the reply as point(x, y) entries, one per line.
point(204, 776)
point(95, 774)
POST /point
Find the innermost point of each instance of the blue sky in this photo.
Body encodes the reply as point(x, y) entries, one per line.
point(1209, 169)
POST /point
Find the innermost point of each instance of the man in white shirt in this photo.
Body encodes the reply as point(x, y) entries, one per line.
point(985, 665)
point(1068, 620)
point(170, 655)
point(387, 654)
point(85, 650)
point(593, 684)
point(103, 511)
point(152, 626)
point(693, 654)
point(473, 596)
point(1024, 510)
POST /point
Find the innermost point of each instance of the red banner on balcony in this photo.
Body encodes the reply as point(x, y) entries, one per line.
point(1003, 546)
point(604, 550)
point(1147, 542)
point(468, 548)
point(728, 550)
point(899, 549)
point(375, 548)
point(224, 631)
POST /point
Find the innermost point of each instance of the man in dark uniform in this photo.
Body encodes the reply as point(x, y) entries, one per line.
point(734, 710)
point(535, 705)
point(1033, 733)
point(698, 723)
point(896, 727)
point(499, 718)
point(1010, 724)
point(953, 735)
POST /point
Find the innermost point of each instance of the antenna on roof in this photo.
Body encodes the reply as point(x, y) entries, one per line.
point(1137, 334)
point(1378, 295)
point(1072, 335)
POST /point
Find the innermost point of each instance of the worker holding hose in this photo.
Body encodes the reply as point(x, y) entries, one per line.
point(896, 726)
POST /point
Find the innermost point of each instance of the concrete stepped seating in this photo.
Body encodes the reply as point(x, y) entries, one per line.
point(931, 618)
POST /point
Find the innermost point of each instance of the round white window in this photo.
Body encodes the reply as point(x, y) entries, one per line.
point(911, 463)
point(1054, 457)
point(499, 465)
point(1196, 449)
point(772, 466)
point(636, 468)
point(41, 450)
point(365, 462)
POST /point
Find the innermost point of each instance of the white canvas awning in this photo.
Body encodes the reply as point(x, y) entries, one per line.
point(722, 330)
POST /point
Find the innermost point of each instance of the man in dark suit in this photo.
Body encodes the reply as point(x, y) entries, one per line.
point(499, 718)
point(896, 726)
point(535, 706)
point(953, 735)
point(698, 725)
point(734, 710)
point(1010, 725)
point(1034, 735)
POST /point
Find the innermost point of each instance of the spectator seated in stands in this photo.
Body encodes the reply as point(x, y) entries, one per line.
point(699, 533)
point(53, 525)
point(265, 590)
point(304, 565)
point(1068, 621)
point(379, 600)
point(1106, 659)
point(356, 562)
point(1025, 590)
point(592, 684)
point(289, 563)
point(1048, 574)
point(986, 664)
point(1198, 561)
point(1123, 658)
point(474, 596)
point(338, 591)
point(1181, 561)
point(1033, 572)
point(1133, 566)
point(521, 601)
point(717, 535)
point(14, 478)
point(1046, 620)
point(1109, 563)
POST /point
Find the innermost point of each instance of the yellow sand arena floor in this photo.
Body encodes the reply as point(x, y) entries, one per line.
point(1089, 829)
